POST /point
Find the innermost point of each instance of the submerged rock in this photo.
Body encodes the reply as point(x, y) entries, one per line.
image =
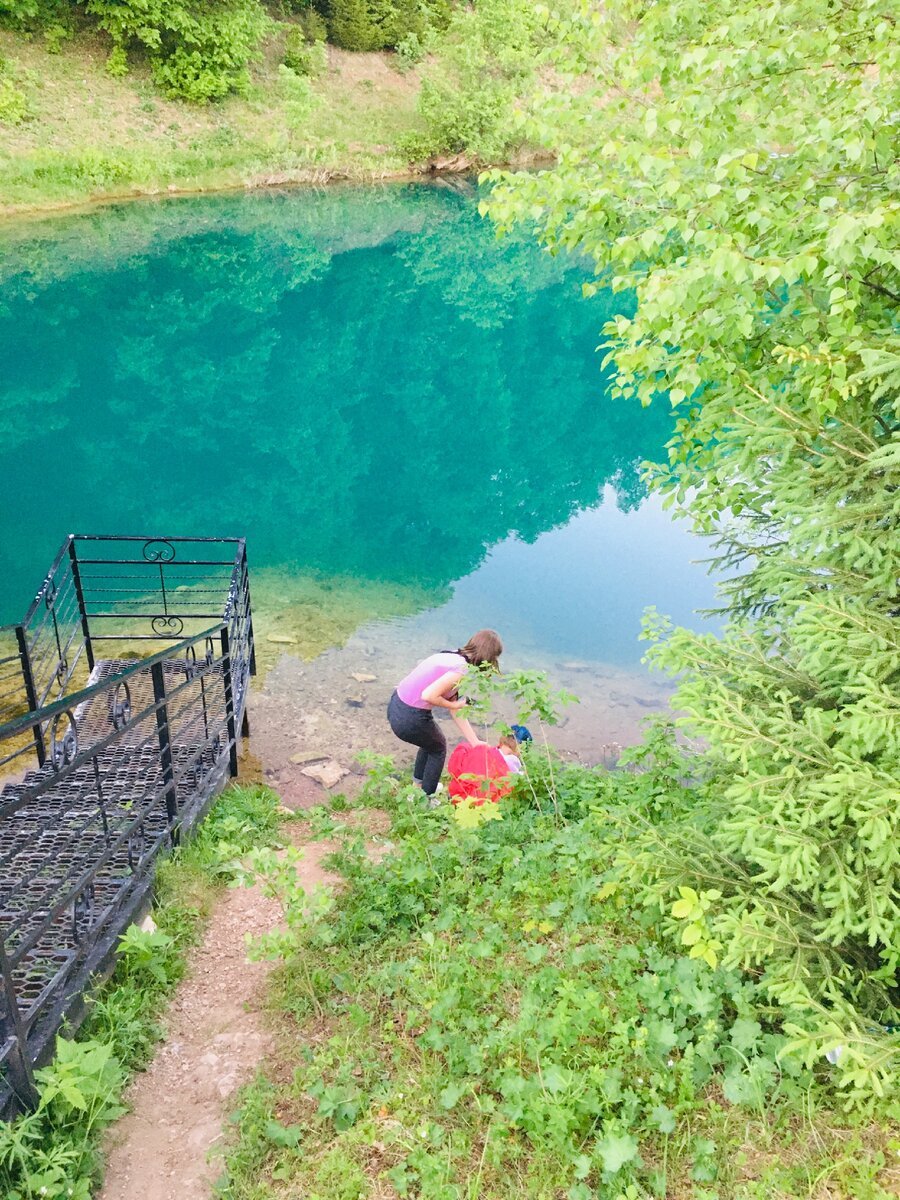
point(281, 639)
point(360, 677)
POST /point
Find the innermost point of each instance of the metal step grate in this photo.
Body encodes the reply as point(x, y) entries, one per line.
point(126, 765)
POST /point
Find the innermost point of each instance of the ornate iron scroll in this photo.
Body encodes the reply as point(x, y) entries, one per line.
point(63, 748)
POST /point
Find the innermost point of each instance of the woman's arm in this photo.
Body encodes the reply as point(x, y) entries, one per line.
point(436, 693)
point(466, 730)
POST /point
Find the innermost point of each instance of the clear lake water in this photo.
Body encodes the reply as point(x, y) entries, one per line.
point(407, 417)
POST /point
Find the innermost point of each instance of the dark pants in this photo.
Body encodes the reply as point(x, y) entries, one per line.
point(418, 727)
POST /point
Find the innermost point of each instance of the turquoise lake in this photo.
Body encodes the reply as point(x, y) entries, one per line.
point(366, 383)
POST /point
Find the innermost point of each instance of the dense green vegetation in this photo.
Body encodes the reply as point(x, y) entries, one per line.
point(736, 166)
point(202, 51)
point(54, 1152)
point(492, 1011)
point(117, 97)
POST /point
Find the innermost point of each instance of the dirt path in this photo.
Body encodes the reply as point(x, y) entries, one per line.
point(167, 1147)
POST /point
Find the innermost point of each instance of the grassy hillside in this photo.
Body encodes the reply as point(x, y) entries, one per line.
point(87, 114)
point(86, 135)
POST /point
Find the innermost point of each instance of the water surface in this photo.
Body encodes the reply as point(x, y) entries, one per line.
point(405, 417)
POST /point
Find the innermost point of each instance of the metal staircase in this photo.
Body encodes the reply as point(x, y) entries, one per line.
point(125, 689)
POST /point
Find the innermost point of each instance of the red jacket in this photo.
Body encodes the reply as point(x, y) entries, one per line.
point(479, 772)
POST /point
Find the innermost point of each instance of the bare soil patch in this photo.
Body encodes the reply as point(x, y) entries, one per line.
point(168, 1147)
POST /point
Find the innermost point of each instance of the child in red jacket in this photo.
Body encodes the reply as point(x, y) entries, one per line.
point(478, 772)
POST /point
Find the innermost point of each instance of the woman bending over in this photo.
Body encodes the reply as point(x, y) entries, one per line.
point(433, 684)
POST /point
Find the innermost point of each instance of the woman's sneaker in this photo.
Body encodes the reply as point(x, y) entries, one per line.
point(435, 801)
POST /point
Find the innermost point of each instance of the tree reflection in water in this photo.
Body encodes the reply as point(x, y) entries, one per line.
point(365, 382)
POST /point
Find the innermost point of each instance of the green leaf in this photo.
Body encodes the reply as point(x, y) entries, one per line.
point(615, 1150)
point(288, 1136)
point(582, 1166)
point(451, 1094)
point(663, 1118)
point(691, 934)
point(72, 1093)
point(555, 1078)
point(745, 1034)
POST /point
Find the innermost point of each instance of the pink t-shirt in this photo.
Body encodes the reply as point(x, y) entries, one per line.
point(424, 675)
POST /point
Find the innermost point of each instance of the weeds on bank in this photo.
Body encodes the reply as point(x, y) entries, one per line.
point(53, 1152)
point(484, 1014)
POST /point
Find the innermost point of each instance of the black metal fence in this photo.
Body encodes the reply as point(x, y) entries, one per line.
point(130, 750)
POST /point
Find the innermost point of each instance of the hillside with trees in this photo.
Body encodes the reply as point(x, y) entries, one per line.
point(115, 97)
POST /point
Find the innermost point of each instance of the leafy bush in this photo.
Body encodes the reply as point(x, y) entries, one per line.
point(381, 24)
point(298, 96)
point(767, 293)
point(197, 50)
point(410, 51)
point(313, 25)
point(35, 15)
point(486, 59)
point(14, 106)
point(55, 35)
point(117, 62)
point(94, 168)
point(51, 1154)
point(352, 26)
point(302, 56)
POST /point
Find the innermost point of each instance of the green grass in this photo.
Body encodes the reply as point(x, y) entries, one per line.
point(469, 1020)
point(70, 133)
point(54, 1153)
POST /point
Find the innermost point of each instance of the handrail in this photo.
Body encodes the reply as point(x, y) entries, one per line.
point(126, 765)
point(61, 553)
point(73, 699)
point(133, 537)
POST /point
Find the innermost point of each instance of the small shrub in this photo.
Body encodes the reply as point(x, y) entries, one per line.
point(55, 35)
point(13, 104)
point(313, 25)
point(298, 96)
point(410, 51)
point(117, 62)
point(382, 24)
point(94, 169)
point(468, 98)
point(32, 16)
point(301, 56)
point(351, 27)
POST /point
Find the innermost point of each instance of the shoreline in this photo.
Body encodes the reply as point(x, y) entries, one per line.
point(452, 167)
point(313, 177)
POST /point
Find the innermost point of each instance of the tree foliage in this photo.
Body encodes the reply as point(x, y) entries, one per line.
point(198, 51)
point(736, 165)
point(486, 60)
point(201, 50)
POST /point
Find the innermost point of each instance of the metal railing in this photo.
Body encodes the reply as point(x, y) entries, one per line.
point(129, 752)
